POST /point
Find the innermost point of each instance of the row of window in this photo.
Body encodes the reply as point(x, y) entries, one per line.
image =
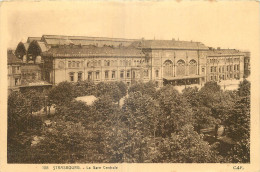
point(98, 63)
point(221, 69)
point(108, 74)
point(224, 77)
point(228, 60)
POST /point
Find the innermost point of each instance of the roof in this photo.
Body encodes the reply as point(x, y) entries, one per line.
point(224, 52)
point(82, 51)
point(85, 40)
point(42, 46)
point(12, 59)
point(170, 44)
point(30, 39)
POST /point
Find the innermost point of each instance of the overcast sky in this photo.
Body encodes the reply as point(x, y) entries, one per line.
point(217, 24)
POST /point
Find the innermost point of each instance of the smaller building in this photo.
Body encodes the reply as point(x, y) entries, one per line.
point(14, 72)
point(225, 64)
point(247, 64)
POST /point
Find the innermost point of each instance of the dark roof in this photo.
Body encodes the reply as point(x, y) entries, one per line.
point(30, 39)
point(224, 52)
point(85, 40)
point(12, 59)
point(170, 44)
point(82, 51)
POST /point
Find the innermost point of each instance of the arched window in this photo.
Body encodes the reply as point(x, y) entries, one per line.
point(168, 68)
point(157, 73)
point(192, 67)
point(180, 70)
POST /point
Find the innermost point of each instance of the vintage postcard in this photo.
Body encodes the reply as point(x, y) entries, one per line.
point(129, 86)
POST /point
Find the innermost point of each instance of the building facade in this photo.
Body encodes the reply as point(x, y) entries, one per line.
point(68, 58)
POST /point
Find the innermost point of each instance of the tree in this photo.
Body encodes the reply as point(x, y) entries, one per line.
point(145, 88)
point(138, 124)
point(21, 126)
point(185, 146)
point(175, 110)
point(239, 125)
point(109, 89)
point(122, 87)
point(85, 88)
point(35, 98)
point(62, 93)
point(202, 114)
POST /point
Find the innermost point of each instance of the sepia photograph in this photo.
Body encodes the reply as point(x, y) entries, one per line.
point(122, 83)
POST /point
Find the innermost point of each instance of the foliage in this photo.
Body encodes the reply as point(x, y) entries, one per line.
point(187, 146)
point(109, 89)
point(145, 88)
point(175, 110)
point(151, 126)
point(62, 93)
point(84, 88)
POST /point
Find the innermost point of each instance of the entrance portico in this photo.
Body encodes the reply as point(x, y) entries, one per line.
point(185, 80)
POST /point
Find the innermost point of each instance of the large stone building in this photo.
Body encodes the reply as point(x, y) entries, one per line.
point(74, 58)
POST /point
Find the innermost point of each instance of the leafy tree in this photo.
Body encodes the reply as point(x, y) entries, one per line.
point(186, 146)
point(62, 93)
point(239, 125)
point(21, 126)
point(36, 99)
point(109, 89)
point(138, 124)
point(85, 88)
point(145, 88)
point(175, 110)
point(122, 87)
point(202, 114)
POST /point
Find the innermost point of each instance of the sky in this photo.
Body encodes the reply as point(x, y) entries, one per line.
point(217, 24)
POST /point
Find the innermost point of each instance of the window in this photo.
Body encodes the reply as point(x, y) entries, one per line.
point(80, 76)
point(157, 73)
point(71, 76)
point(227, 68)
point(106, 74)
point(128, 74)
point(215, 69)
point(234, 67)
point(78, 64)
point(89, 75)
point(211, 69)
point(192, 67)
point(146, 73)
point(129, 62)
point(128, 84)
point(168, 68)
point(33, 75)
point(203, 69)
point(122, 74)
point(108, 63)
point(180, 71)
point(73, 64)
point(95, 63)
point(113, 74)
point(211, 78)
point(238, 67)
point(219, 69)
point(99, 63)
point(97, 74)
point(16, 81)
